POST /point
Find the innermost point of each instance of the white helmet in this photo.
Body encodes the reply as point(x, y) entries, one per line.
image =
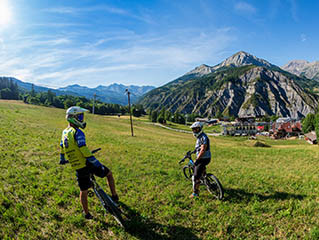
point(197, 125)
point(75, 115)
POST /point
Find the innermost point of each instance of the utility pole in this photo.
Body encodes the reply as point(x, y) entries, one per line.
point(94, 96)
point(129, 109)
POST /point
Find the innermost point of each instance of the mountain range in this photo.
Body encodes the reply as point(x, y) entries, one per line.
point(303, 68)
point(114, 93)
point(241, 85)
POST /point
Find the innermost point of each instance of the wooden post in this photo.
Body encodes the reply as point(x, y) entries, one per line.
point(129, 109)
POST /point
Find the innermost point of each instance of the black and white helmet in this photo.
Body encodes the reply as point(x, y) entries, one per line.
point(75, 115)
point(198, 125)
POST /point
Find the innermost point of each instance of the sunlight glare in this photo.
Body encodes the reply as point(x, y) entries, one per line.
point(5, 14)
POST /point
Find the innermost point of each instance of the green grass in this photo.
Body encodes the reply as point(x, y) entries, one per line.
point(270, 193)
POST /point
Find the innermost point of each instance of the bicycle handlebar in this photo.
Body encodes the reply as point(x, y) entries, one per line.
point(96, 150)
point(188, 155)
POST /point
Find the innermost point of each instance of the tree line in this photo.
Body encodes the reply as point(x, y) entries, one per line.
point(49, 98)
point(164, 115)
point(8, 89)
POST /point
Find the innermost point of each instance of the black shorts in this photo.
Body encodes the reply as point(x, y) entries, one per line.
point(83, 175)
point(200, 166)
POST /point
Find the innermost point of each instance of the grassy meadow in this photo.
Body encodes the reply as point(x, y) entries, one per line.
point(270, 193)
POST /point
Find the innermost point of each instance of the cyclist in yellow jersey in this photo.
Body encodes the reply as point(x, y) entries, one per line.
point(73, 147)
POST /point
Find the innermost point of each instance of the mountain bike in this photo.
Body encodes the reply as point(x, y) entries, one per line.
point(209, 180)
point(108, 204)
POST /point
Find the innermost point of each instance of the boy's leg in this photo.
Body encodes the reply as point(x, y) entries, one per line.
point(84, 201)
point(84, 183)
point(104, 171)
point(110, 180)
point(198, 171)
point(196, 184)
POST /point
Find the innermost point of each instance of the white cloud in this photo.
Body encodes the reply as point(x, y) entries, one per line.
point(245, 8)
point(104, 8)
point(1, 44)
point(66, 60)
point(294, 10)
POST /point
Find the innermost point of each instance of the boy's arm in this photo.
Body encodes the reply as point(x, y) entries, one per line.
point(62, 154)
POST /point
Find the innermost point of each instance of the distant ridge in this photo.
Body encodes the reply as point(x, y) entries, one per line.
point(114, 93)
point(303, 68)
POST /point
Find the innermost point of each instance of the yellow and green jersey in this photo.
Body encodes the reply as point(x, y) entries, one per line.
point(73, 145)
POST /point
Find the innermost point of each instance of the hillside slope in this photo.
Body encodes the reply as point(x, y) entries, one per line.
point(248, 90)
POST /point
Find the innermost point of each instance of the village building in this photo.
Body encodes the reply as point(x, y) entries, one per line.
point(245, 126)
point(207, 120)
point(311, 137)
point(286, 127)
point(248, 119)
point(239, 129)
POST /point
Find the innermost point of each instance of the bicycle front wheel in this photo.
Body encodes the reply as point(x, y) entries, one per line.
point(110, 206)
point(188, 172)
point(214, 186)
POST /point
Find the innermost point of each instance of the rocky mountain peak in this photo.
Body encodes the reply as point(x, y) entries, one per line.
point(243, 58)
point(303, 68)
point(239, 59)
point(201, 70)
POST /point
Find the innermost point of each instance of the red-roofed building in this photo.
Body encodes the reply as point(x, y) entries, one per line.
point(285, 127)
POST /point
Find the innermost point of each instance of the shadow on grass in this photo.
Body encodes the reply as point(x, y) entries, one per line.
point(240, 195)
point(143, 228)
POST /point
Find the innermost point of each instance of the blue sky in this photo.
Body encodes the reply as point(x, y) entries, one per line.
point(99, 42)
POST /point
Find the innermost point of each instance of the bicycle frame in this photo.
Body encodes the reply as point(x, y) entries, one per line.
point(105, 199)
point(208, 179)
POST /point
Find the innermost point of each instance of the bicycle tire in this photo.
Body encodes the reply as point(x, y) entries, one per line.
point(188, 172)
point(109, 206)
point(214, 186)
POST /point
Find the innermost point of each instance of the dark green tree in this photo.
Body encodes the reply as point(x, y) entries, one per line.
point(161, 117)
point(308, 123)
point(32, 90)
point(154, 116)
point(316, 123)
point(6, 93)
point(168, 115)
point(68, 103)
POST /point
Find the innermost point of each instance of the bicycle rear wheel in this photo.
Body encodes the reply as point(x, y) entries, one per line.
point(214, 186)
point(188, 172)
point(110, 206)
